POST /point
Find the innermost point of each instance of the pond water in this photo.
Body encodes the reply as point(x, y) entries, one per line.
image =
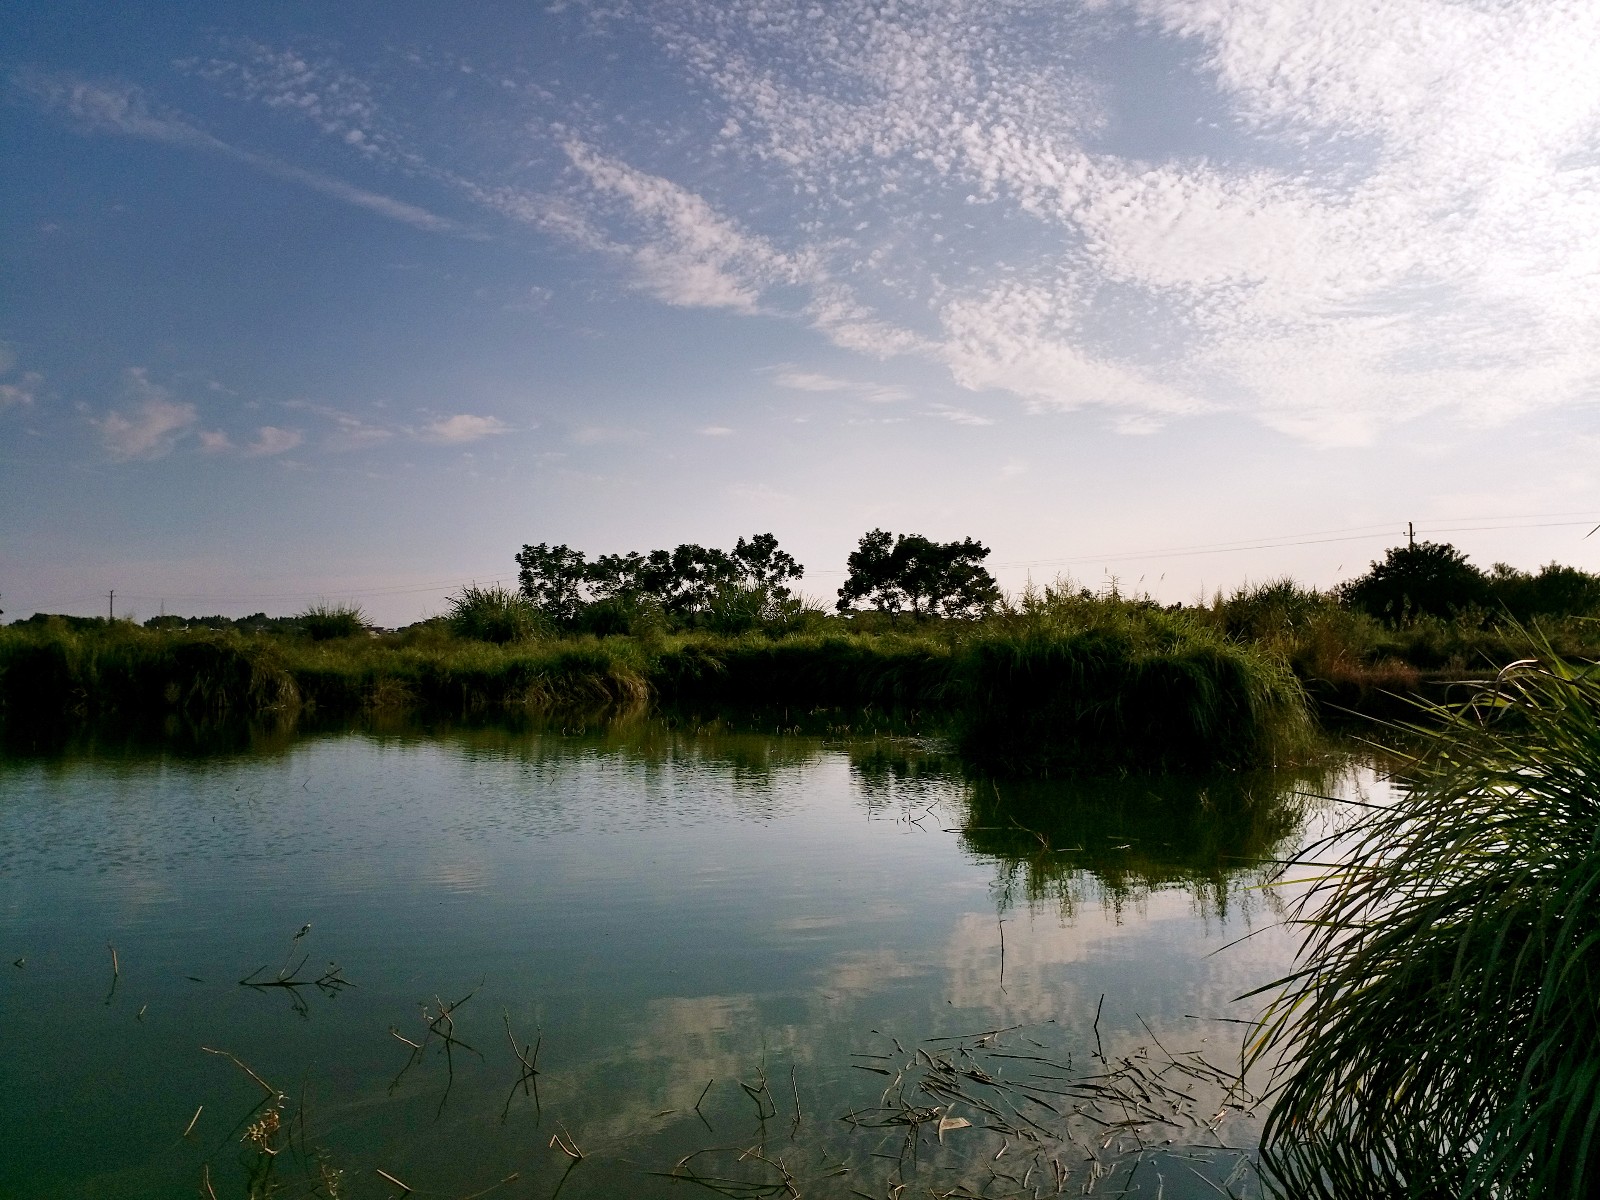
point(741, 964)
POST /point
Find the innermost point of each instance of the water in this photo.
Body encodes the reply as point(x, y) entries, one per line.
point(657, 909)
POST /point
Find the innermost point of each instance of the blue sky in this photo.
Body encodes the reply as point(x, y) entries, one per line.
point(349, 302)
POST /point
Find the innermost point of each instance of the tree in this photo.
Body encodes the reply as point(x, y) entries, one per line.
point(764, 566)
point(686, 583)
point(1425, 579)
point(1556, 591)
point(909, 571)
point(551, 578)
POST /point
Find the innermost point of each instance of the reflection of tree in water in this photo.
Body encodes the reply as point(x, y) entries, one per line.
point(1120, 839)
point(900, 774)
point(749, 758)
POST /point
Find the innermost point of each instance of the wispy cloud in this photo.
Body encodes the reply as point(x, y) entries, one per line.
point(270, 440)
point(462, 428)
point(349, 432)
point(23, 393)
point(959, 416)
point(151, 426)
point(716, 431)
point(125, 110)
point(689, 254)
point(1386, 211)
point(813, 381)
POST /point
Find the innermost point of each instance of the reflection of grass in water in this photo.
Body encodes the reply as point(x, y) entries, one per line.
point(1442, 1037)
point(1131, 837)
point(1134, 835)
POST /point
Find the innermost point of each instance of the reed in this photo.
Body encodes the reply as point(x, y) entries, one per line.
point(1075, 687)
point(493, 613)
point(1442, 1035)
point(325, 621)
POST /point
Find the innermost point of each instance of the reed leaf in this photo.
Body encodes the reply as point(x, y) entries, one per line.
point(1441, 1036)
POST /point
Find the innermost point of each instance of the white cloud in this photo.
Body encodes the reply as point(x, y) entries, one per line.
point(959, 416)
point(463, 427)
point(270, 440)
point(215, 441)
point(716, 431)
point(151, 427)
point(691, 255)
point(1383, 211)
point(21, 394)
point(813, 381)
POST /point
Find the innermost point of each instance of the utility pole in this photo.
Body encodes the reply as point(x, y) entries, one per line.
point(111, 605)
point(1411, 536)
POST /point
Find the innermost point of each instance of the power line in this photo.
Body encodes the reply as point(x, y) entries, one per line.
point(1348, 533)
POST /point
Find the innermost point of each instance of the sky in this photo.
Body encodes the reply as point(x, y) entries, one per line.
point(348, 302)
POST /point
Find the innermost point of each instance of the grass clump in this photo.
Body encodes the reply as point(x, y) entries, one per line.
point(1442, 1037)
point(493, 613)
point(324, 622)
point(1078, 685)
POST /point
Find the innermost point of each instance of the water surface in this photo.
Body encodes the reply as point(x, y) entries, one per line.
point(799, 923)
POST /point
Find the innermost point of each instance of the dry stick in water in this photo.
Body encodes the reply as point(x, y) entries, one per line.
point(1002, 925)
point(116, 973)
point(189, 1128)
point(265, 1086)
point(404, 1189)
point(529, 1070)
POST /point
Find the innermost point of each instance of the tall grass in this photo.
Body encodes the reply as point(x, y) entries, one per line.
point(325, 621)
point(48, 674)
point(1079, 685)
point(1442, 1037)
point(493, 613)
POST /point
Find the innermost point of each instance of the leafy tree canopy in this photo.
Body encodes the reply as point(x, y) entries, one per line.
point(1425, 579)
point(684, 582)
point(910, 572)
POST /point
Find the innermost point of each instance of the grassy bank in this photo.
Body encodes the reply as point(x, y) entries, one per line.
point(1057, 682)
point(1043, 694)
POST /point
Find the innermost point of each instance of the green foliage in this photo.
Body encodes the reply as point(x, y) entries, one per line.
point(689, 586)
point(1280, 611)
point(1442, 1035)
point(551, 578)
point(51, 673)
point(1427, 579)
point(910, 572)
point(1556, 591)
point(805, 672)
point(323, 621)
point(1134, 835)
point(1077, 685)
point(493, 613)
